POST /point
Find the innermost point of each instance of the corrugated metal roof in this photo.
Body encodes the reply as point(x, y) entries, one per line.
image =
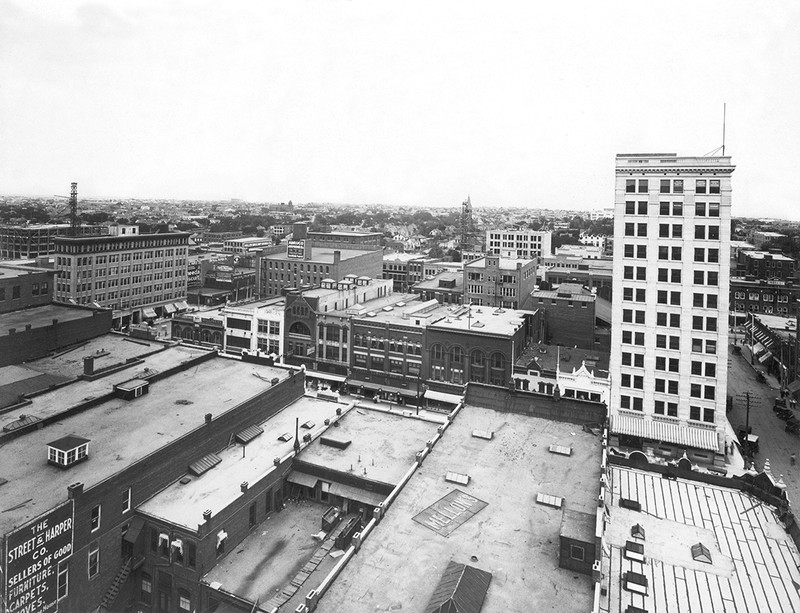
point(204, 464)
point(461, 589)
point(248, 434)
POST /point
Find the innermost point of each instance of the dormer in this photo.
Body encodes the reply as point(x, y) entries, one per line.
point(67, 451)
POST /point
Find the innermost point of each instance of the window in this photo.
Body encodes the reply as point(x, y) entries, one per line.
point(661, 319)
point(676, 253)
point(663, 208)
point(641, 229)
point(638, 338)
point(708, 416)
point(641, 295)
point(677, 208)
point(699, 254)
point(146, 593)
point(63, 580)
point(665, 186)
point(641, 252)
point(696, 391)
point(95, 521)
point(674, 320)
point(191, 554)
point(94, 560)
point(184, 601)
point(663, 230)
point(642, 208)
point(674, 365)
point(713, 186)
point(627, 293)
point(576, 552)
point(126, 500)
point(713, 209)
point(252, 514)
point(697, 368)
point(638, 360)
point(700, 186)
point(661, 363)
point(677, 230)
point(630, 208)
point(663, 252)
point(626, 358)
point(675, 298)
point(700, 232)
point(713, 232)
point(630, 229)
point(630, 186)
point(641, 273)
point(694, 413)
point(627, 272)
point(639, 317)
point(709, 392)
point(711, 347)
point(642, 186)
point(661, 341)
point(675, 275)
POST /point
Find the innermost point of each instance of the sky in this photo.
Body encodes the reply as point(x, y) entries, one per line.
point(405, 103)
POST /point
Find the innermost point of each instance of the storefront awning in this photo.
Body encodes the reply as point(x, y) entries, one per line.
point(764, 357)
point(758, 348)
point(442, 397)
point(411, 391)
point(327, 376)
point(169, 308)
point(299, 478)
point(181, 305)
point(667, 432)
point(354, 493)
point(148, 312)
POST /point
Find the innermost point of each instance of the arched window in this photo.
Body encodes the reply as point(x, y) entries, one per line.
point(206, 336)
point(217, 338)
point(436, 352)
point(498, 360)
point(187, 333)
point(477, 357)
point(300, 328)
point(456, 355)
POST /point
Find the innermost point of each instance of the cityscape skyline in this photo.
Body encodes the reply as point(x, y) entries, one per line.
point(353, 103)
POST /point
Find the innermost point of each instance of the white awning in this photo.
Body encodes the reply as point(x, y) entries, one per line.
point(181, 305)
point(442, 397)
point(328, 376)
point(764, 357)
point(354, 493)
point(668, 432)
point(302, 479)
point(169, 308)
point(148, 312)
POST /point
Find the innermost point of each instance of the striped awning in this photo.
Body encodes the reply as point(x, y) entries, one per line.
point(148, 312)
point(667, 432)
point(764, 357)
point(169, 308)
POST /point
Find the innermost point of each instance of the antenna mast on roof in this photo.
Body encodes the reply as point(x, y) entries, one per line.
point(724, 105)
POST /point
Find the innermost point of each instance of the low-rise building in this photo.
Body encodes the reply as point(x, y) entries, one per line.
point(568, 315)
point(404, 269)
point(23, 284)
point(247, 244)
point(760, 237)
point(495, 281)
point(255, 328)
point(445, 287)
point(567, 372)
point(765, 265)
point(773, 297)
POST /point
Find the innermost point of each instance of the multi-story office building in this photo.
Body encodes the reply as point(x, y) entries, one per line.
point(246, 244)
point(499, 282)
point(670, 315)
point(523, 244)
point(23, 242)
point(774, 297)
point(135, 274)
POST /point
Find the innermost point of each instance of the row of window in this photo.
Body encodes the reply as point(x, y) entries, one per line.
point(662, 407)
point(767, 310)
point(762, 297)
point(672, 186)
point(674, 209)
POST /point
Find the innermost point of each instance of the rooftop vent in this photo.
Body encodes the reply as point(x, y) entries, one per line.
point(285, 437)
point(204, 464)
point(457, 478)
point(700, 553)
point(308, 425)
point(561, 450)
point(67, 451)
point(484, 434)
point(548, 500)
point(248, 434)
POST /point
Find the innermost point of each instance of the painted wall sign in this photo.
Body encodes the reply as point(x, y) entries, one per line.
point(33, 553)
point(296, 249)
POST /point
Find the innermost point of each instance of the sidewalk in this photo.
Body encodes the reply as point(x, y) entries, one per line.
point(772, 381)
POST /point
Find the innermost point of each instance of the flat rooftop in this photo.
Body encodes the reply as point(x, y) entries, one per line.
point(217, 488)
point(41, 316)
point(383, 443)
point(548, 357)
point(516, 539)
point(433, 283)
point(322, 255)
point(762, 255)
point(121, 432)
point(505, 263)
point(385, 307)
point(482, 319)
point(753, 560)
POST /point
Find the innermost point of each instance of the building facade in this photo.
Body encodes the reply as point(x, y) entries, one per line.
point(670, 335)
point(766, 265)
point(520, 244)
point(255, 327)
point(748, 295)
point(23, 286)
point(568, 314)
point(137, 275)
point(499, 282)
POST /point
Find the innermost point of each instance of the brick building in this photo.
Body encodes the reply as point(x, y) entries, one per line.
point(765, 265)
point(496, 281)
point(24, 285)
point(568, 314)
point(31, 241)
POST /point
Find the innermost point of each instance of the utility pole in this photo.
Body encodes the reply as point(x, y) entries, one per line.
point(749, 403)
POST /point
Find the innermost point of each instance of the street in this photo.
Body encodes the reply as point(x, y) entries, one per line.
point(775, 444)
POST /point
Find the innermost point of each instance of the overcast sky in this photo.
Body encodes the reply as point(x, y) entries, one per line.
point(407, 103)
